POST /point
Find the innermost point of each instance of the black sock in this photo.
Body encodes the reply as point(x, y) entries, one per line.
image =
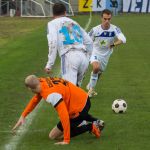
point(79, 130)
point(90, 118)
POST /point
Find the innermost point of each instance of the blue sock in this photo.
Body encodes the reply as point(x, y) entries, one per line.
point(93, 80)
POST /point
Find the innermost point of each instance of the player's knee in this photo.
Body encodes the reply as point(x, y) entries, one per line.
point(96, 67)
point(96, 70)
point(52, 136)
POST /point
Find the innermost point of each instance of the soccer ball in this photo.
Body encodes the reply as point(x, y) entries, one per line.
point(119, 106)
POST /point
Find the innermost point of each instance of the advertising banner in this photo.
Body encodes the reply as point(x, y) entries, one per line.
point(98, 5)
point(85, 5)
point(136, 6)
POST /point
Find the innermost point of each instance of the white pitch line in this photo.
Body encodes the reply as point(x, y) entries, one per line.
point(14, 141)
point(89, 22)
point(19, 131)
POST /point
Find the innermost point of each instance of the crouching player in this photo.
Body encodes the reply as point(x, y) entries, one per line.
point(71, 103)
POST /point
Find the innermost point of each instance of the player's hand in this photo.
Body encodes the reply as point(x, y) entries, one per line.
point(112, 46)
point(19, 123)
point(47, 70)
point(61, 143)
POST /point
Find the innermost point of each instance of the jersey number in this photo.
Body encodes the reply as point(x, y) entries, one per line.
point(71, 35)
point(51, 81)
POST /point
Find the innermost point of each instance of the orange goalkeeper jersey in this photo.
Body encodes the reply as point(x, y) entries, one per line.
point(67, 99)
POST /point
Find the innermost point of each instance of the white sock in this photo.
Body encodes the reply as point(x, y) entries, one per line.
point(93, 80)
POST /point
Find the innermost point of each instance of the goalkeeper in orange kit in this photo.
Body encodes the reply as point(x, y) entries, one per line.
point(71, 103)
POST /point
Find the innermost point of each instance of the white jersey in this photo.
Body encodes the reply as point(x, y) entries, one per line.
point(63, 35)
point(104, 38)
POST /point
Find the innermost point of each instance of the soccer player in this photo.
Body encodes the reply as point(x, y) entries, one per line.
point(72, 43)
point(105, 36)
point(71, 103)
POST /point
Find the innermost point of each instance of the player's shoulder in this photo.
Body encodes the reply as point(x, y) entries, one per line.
point(112, 27)
point(52, 23)
point(67, 19)
point(57, 20)
point(61, 20)
point(115, 28)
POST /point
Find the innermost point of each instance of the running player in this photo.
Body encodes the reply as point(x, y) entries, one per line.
point(106, 36)
point(72, 43)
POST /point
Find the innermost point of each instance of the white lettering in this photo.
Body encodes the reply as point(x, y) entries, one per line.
point(126, 5)
point(144, 7)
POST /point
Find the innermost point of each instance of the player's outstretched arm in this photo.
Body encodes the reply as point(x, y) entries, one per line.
point(31, 105)
point(19, 123)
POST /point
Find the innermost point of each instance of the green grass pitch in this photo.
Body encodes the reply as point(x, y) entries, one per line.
point(23, 51)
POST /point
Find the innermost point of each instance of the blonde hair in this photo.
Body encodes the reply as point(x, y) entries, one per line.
point(32, 81)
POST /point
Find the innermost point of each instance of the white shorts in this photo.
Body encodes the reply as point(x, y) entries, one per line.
point(103, 60)
point(74, 64)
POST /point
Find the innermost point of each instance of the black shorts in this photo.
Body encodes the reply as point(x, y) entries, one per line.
point(82, 115)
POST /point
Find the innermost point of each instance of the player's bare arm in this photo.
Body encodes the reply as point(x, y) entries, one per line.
point(20, 122)
point(116, 43)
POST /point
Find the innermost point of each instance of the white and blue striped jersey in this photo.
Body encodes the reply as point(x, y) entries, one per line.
point(104, 38)
point(65, 34)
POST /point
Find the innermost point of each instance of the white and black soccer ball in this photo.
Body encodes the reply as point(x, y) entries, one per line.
point(119, 106)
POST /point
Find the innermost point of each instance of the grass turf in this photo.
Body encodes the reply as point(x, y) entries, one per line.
point(23, 51)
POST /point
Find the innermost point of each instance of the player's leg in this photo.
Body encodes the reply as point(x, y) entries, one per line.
point(82, 68)
point(93, 78)
point(94, 74)
point(77, 129)
point(90, 127)
point(84, 115)
point(74, 66)
point(56, 133)
point(68, 68)
point(75, 124)
point(99, 64)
